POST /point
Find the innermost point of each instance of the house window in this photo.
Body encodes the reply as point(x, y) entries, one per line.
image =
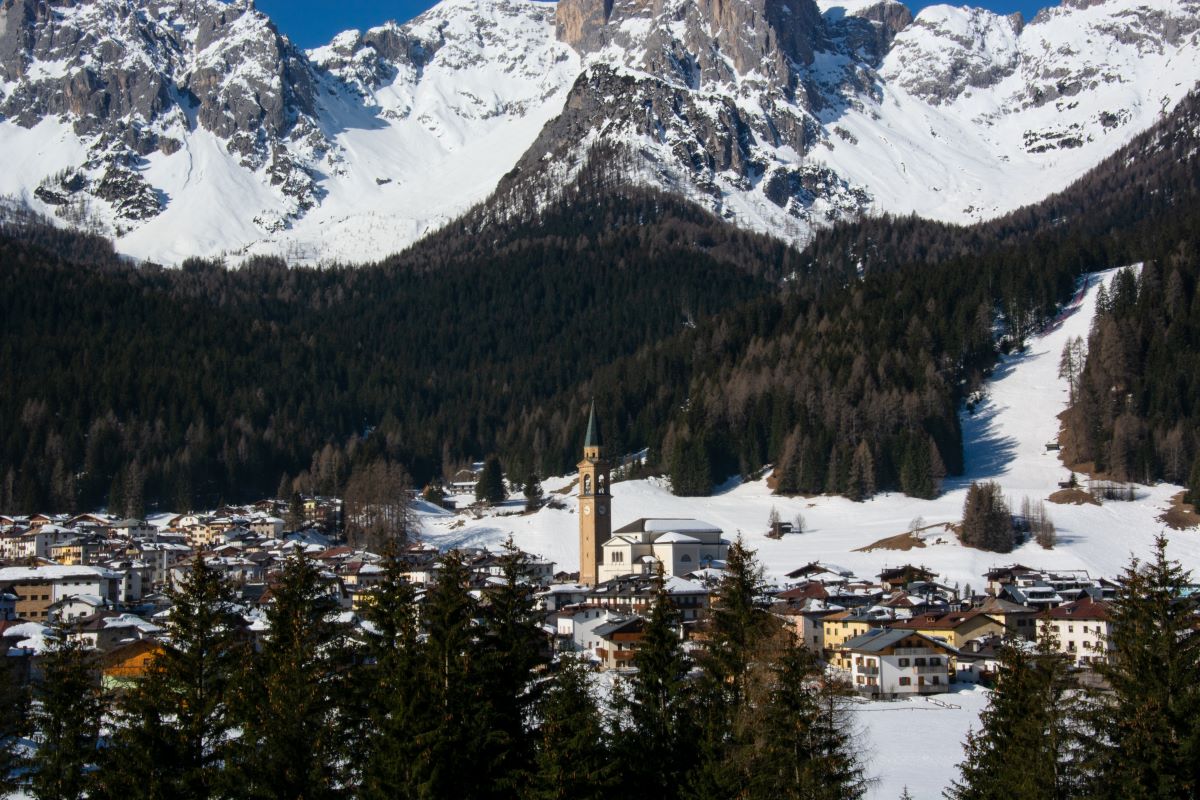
point(906, 681)
point(936, 680)
point(935, 662)
point(685, 558)
point(920, 662)
point(903, 663)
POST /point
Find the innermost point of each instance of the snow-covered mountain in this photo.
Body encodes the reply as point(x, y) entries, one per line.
point(195, 128)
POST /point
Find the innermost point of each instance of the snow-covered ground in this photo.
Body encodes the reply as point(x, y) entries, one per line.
point(1004, 441)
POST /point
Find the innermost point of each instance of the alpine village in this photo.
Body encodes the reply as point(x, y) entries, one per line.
point(664, 399)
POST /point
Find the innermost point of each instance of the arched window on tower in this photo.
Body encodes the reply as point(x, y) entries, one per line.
point(601, 485)
point(587, 484)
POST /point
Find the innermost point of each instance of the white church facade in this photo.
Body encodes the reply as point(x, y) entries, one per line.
point(682, 546)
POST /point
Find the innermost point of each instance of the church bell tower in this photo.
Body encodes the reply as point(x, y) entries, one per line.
point(595, 503)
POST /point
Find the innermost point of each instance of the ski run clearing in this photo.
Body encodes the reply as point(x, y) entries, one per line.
point(914, 743)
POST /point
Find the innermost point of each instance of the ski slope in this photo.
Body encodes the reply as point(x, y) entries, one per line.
point(908, 743)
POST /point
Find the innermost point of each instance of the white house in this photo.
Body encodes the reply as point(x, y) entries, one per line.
point(884, 662)
point(682, 546)
point(1083, 630)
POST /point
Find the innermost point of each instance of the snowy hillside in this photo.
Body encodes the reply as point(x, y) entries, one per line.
point(197, 129)
point(1005, 441)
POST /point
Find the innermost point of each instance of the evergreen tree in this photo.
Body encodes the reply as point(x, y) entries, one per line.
point(490, 486)
point(1026, 748)
point(295, 513)
point(290, 700)
point(572, 756)
point(987, 521)
point(14, 710)
point(656, 737)
point(395, 695)
point(533, 492)
point(1193, 494)
point(798, 741)
point(173, 735)
point(1144, 737)
point(66, 720)
point(513, 647)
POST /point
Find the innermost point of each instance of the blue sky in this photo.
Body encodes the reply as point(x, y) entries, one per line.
point(310, 23)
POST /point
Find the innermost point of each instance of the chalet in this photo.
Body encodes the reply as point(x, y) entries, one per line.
point(899, 577)
point(1083, 630)
point(635, 595)
point(887, 663)
point(842, 626)
point(617, 642)
point(1018, 620)
point(123, 665)
point(955, 628)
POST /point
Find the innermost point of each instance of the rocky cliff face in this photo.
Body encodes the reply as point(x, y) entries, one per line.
point(194, 127)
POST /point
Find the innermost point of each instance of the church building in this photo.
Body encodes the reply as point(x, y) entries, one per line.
point(682, 546)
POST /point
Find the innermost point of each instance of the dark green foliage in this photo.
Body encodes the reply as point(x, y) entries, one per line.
point(14, 723)
point(656, 736)
point(533, 492)
point(172, 736)
point(66, 720)
point(987, 521)
point(1028, 745)
point(798, 739)
point(290, 699)
point(1144, 734)
point(490, 486)
point(390, 678)
point(572, 756)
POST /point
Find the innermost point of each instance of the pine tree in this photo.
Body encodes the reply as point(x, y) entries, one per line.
point(394, 694)
point(1026, 748)
point(656, 738)
point(987, 521)
point(533, 492)
point(513, 648)
point(295, 514)
point(14, 710)
point(66, 720)
point(1145, 738)
point(454, 735)
point(798, 741)
point(1193, 495)
point(572, 756)
point(173, 734)
point(490, 486)
point(292, 744)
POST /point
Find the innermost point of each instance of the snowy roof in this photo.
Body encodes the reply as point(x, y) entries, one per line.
point(676, 538)
point(679, 525)
point(52, 572)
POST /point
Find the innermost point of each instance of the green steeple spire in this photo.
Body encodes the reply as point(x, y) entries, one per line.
point(593, 431)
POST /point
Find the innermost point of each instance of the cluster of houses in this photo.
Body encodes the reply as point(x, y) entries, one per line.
point(900, 632)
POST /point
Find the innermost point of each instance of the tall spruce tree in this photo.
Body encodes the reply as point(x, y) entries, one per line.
point(1145, 729)
point(290, 702)
point(1027, 747)
point(454, 736)
point(738, 628)
point(66, 720)
point(513, 647)
point(656, 735)
point(173, 732)
point(797, 743)
point(573, 761)
point(14, 710)
point(394, 693)
point(490, 486)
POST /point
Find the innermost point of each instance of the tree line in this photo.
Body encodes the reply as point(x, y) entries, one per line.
point(456, 696)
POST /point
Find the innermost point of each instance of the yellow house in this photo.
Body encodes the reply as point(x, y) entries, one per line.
point(128, 663)
point(837, 629)
point(955, 628)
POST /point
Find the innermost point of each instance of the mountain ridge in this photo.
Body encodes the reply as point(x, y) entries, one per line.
point(197, 129)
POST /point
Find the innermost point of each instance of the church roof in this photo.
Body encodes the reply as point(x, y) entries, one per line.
point(592, 439)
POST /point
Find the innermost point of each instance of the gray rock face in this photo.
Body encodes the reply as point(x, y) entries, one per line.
point(127, 75)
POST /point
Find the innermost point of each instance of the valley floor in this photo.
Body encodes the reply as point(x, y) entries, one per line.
point(913, 743)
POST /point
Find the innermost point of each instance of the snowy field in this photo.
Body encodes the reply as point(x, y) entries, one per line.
point(1004, 441)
